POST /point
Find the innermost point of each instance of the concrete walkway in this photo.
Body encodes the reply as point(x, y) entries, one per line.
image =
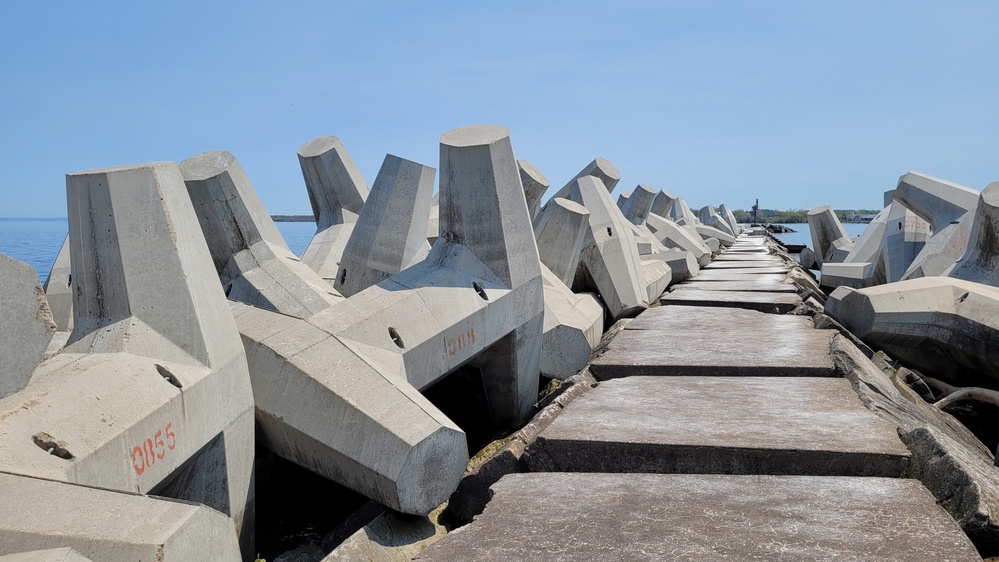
point(719, 432)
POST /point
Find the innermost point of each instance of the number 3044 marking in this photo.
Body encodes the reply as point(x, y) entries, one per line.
point(145, 454)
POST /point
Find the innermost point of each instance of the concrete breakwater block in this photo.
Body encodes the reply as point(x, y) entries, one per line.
point(830, 242)
point(26, 325)
point(773, 303)
point(752, 285)
point(563, 517)
point(691, 340)
point(106, 525)
point(672, 235)
point(721, 425)
point(151, 394)
point(337, 192)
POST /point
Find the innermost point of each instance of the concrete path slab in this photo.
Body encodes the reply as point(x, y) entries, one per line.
point(713, 425)
point(772, 303)
point(748, 257)
point(763, 267)
point(752, 284)
point(754, 274)
point(561, 517)
point(691, 340)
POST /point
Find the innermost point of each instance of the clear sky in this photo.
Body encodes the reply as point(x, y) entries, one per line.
point(797, 103)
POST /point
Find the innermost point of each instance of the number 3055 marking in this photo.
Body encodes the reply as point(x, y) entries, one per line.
point(145, 454)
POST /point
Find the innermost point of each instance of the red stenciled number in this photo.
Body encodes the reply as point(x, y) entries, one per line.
point(170, 436)
point(144, 455)
point(138, 463)
point(159, 444)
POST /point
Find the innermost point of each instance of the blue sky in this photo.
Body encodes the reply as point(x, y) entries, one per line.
point(797, 103)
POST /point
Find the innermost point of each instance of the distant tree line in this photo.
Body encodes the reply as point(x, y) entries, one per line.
point(292, 218)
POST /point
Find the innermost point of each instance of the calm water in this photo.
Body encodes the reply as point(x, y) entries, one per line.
point(803, 236)
point(37, 241)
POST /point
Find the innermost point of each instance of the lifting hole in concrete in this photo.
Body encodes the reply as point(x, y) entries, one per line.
point(396, 338)
point(481, 290)
point(166, 374)
point(69, 280)
point(343, 276)
point(609, 233)
point(48, 444)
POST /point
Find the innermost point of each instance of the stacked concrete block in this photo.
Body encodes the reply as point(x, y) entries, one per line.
point(710, 217)
point(622, 199)
point(905, 236)
point(151, 394)
point(864, 265)
point(672, 235)
point(560, 231)
point(682, 264)
point(535, 185)
point(639, 203)
point(390, 233)
point(662, 205)
point(338, 391)
point(337, 191)
point(602, 169)
point(727, 214)
point(941, 325)
point(58, 290)
point(95, 524)
point(573, 326)
point(980, 262)
point(609, 264)
point(720, 238)
point(830, 242)
point(26, 325)
point(949, 210)
point(657, 275)
point(251, 258)
point(434, 222)
point(682, 214)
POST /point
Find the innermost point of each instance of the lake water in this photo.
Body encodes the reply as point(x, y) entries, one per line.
point(804, 236)
point(37, 241)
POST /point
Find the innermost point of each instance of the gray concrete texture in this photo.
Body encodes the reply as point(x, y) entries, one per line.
point(682, 214)
point(153, 379)
point(830, 242)
point(600, 168)
point(980, 261)
point(710, 217)
point(905, 236)
point(716, 341)
point(609, 264)
point(535, 185)
point(637, 207)
point(672, 235)
point(949, 210)
point(941, 325)
point(251, 258)
point(65, 554)
point(58, 289)
point(390, 233)
point(708, 232)
point(749, 285)
point(337, 192)
point(573, 326)
point(727, 214)
point(770, 302)
point(107, 525)
point(720, 425)
point(26, 325)
point(662, 205)
point(707, 517)
point(560, 231)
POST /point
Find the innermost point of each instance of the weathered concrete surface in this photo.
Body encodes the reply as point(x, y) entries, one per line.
point(48, 555)
point(726, 213)
point(945, 326)
point(58, 289)
point(756, 274)
point(980, 262)
point(337, 191)
point(682, 214)
point(857, 275)
point(609, 264)
point(949, 210)
point(657, 275)
point(706, 517)
point(710, 217)
point(770, 302)
point(708, 232)
point(755, 268)
point(390, 537)
point(751, 285)
point(690, 340)
point(26, 325)
point(535, 185)
point(600, 168)
point(662, 204)
point(253, 262)
point(106, 525)
point(720, 425)
point(572, 328)
point(830, 242)
point(672, 235)
point(561, 230)
point(682, 264)
point(637, 207)
point(153, 380)
point(904, 237)
point(390, 233)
